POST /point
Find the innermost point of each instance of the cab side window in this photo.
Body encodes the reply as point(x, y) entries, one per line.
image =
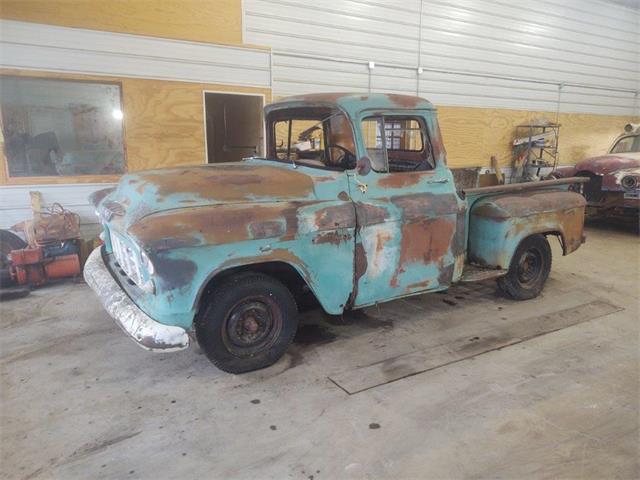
point(319, 138)
point(397, 144)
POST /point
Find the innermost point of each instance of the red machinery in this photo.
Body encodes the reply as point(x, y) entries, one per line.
point(31, 266)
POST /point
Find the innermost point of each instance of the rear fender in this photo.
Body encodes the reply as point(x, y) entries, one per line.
point(498, 224)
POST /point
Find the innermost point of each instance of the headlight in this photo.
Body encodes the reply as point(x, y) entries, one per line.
point(146, 263)
point(629, 182)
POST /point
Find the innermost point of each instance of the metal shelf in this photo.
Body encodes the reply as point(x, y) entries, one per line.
point(535, 147)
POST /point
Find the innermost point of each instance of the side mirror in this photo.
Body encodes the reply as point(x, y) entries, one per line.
point(363, 166)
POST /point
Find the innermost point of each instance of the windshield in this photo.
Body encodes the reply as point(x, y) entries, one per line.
point(314, 137)
point(627, 144)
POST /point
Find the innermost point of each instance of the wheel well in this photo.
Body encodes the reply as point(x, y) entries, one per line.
point(281, 271)
point(560, 237)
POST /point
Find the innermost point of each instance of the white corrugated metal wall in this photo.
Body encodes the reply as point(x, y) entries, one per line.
point(578, 55)
point(39, 47)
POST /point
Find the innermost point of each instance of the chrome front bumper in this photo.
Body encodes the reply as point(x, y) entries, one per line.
point(147, 333)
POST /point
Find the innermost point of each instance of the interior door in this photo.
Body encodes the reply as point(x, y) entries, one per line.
point(407, 212)
point(234, 127)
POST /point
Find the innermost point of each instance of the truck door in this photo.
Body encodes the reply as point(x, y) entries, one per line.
point(407, 211)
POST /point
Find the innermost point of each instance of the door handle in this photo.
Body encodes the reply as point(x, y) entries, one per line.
point(438, 180)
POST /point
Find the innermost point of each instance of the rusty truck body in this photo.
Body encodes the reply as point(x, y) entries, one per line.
point(353, 204)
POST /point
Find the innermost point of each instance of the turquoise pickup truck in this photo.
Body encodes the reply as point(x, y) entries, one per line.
point(353, 204)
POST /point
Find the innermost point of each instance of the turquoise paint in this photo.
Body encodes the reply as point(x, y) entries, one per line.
point(492, 240)
point(322, 252)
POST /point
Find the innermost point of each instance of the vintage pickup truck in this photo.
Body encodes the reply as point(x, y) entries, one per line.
point(353, 204)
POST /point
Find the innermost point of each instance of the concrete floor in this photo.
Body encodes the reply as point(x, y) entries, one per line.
point(461, 385)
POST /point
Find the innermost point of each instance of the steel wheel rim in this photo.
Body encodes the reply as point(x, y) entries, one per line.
point(252, 326)
point(530, 266)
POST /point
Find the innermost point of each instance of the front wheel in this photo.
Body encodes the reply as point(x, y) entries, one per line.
point(529, 269)
point(248, 323)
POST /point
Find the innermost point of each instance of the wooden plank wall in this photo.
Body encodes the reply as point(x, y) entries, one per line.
point(473, 135)
point(218, 21)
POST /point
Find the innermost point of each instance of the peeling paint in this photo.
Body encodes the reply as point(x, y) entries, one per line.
point(405, 233)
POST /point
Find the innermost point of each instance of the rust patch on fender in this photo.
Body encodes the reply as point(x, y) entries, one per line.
point(228, 182)
point(275, 255)
point(334, 238)
point(233, 223)
point(344, 196)
point(266, 229)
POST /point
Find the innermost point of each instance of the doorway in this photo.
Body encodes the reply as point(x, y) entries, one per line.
point(233, 126)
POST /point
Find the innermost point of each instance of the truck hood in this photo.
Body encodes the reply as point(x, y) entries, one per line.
point(145, 193)
point(605, 164)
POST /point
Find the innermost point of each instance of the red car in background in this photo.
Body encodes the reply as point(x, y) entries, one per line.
point(614, 188)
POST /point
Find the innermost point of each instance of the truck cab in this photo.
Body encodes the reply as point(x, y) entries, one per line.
point(353, 204)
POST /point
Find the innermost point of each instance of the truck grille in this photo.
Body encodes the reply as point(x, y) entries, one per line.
point(126, 258)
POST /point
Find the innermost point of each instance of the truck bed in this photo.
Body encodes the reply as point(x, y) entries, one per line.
point(501, 216)
point(478, 192)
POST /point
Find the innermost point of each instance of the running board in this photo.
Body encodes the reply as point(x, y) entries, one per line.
point(474, 273)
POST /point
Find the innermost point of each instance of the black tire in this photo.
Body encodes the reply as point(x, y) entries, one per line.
point(5, 278)
point(8, 242)
point(529, 269)
point(248, 323)
point(13, 293)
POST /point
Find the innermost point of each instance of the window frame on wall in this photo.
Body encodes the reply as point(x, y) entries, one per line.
point(62, 178)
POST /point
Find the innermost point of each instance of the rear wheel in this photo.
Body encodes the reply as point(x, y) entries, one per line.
point(248, 323)
point(529, 269)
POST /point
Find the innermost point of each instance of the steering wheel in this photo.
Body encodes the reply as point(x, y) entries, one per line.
point(347, 160)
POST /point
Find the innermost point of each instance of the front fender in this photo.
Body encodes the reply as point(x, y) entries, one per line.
point(190, 246)
point(266, 256)
point(498, 224)
point(326, 267)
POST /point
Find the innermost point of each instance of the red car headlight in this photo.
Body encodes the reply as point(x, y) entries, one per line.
point(629, 182)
